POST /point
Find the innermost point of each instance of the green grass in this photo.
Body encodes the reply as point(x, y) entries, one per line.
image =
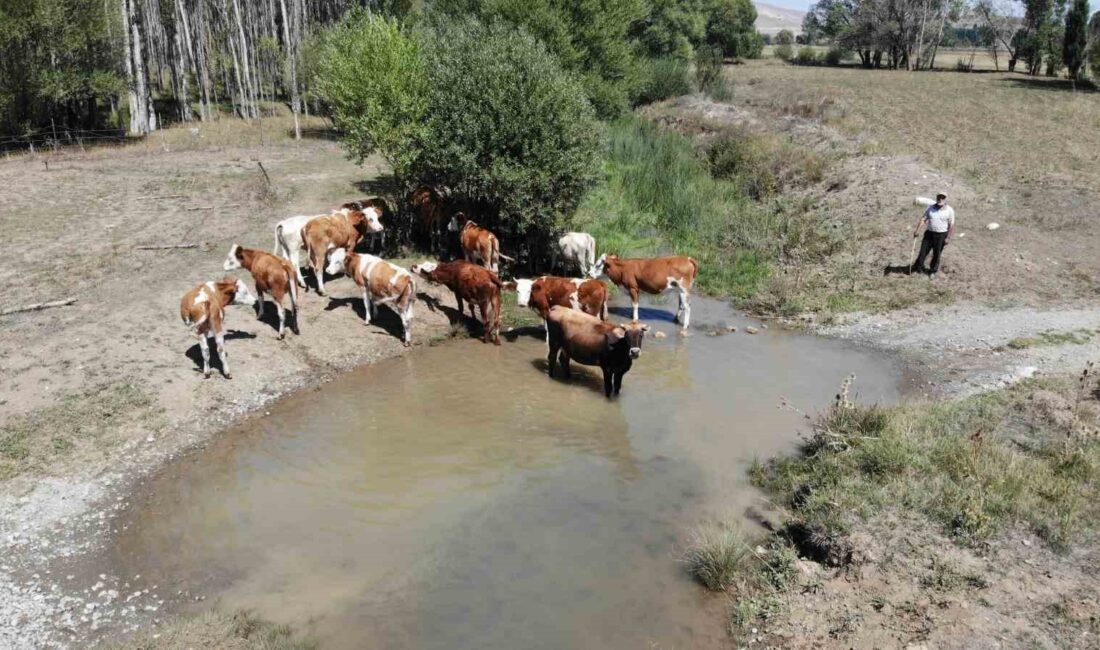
point(1050, 337)
point(975, 467)
point(660, 197)
point(76, 422)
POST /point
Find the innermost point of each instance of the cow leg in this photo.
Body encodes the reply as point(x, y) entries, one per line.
point(458, 301)
point(607, 382)
point(204, 345)
point(318, 262)
point(551, 356)
point(282, 317)
point(406, 324)
point(259, 303)
point(563, 359)
point(618, 379)
point(366, 306)
point(219, 339)
point(483, 307)
point(686, 307)
point(634, 302)
point(295, 260)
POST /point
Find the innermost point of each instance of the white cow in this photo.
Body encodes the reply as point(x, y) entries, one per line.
point(576, 249)
point(289, 242)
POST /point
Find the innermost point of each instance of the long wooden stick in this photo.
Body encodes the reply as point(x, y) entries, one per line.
point(164, 247)
point(39, 306)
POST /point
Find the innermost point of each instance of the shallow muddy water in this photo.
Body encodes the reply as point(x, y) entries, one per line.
point(458, 498)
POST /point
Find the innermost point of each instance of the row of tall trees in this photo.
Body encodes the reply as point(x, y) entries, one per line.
point(1047, 35)
point(84, 64)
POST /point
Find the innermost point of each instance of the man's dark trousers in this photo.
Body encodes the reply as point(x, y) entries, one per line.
point(933, 241)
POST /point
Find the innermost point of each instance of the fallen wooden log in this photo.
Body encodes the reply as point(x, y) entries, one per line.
point(38, 306)
point(164, 247)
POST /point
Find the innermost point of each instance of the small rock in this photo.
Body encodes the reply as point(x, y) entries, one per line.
point(659, 335)
point(751, 330)
point(731, 328)
point(993, 226)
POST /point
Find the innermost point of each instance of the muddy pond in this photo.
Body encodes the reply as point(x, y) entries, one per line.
point(457, 498)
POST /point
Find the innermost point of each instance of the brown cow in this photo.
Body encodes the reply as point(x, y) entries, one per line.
point(472, 283)
point(652, 275)
point(478, 244)
point(432, 209)
point(273, 275)
point(385, 215)
point(203, 311)
point(341, 229)
point(581, 337)
point(382, 283)
point(540, 294)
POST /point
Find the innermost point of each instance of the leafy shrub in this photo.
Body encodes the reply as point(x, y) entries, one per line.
point(763, 164)
point(784, 51)
point(708, 66)
point(665, 77)
point(374, 79)
point(834, 56)
point(731, 26)
point(673, 28)
point(784, 37)
point(506, 126)
point(717, 557)
point(806, 56)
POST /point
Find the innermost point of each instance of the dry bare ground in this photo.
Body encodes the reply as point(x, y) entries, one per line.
point(97, 392)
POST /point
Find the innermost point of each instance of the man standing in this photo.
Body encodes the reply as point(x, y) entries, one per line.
point(939, 220)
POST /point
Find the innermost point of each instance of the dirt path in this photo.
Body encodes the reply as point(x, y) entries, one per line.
point(98, 393)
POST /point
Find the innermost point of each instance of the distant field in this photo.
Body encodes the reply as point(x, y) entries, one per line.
point(946, 59)
point(994, 127)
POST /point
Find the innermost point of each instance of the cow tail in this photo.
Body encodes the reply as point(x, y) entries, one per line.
point(590, 253)
point(293, 282)
point(695, 270)
point(278, 239)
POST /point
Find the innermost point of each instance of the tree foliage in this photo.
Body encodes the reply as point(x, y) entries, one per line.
point(375, 80)
point(506, 126)
point(784, 37)
point(1076, 37)
point(731, 26)
point(1094, 46)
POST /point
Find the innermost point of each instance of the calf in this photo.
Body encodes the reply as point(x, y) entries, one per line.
point(288, 241)
point(203, 311)
point(576, 249)
point(375, 240)
point(574, 335)
point(478, 244)
point(273, 275)
point(652, 275)
point(472, 283)
point(382, 283)
point(432, 210)
point(540, 294)
point(341, 229)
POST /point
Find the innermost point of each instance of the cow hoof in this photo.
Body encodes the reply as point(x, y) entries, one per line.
point(228, 375)
point(281, 336)
point(206, 375)
point(408, 344)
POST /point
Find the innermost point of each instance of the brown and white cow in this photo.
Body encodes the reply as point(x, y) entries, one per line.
point(479, 245)
point(203, 312)
point(540, 294)
point(375, 240)
point(472, 283)
point(577, 336)
point(652, 275)
point(382, 284)
point(431, 208)
point(341, 229)
point(289, 241)
point(272, 275)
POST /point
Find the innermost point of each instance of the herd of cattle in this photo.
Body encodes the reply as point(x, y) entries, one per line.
point(574, 310)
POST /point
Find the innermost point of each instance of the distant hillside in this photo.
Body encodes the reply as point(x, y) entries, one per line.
point(770, 19)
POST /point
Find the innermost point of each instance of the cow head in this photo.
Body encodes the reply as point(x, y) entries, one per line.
point(373, 218)
point(233, 260)
point(457, 222)
point(630, 335)
point(523, 291)
point(600, 267)
point(241, 294)
point(336, 261)
point(424, 269)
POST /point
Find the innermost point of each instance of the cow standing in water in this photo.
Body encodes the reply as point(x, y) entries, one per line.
point(652, 275)
point(540, 294)
point(577, 336)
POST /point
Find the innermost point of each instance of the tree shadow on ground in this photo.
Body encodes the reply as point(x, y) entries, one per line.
point(1059, 85)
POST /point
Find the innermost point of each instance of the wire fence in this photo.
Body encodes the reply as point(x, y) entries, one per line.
point(52, 141)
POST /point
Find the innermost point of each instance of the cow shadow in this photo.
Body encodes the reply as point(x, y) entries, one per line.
point(587, 376)
point(384, 317)
point(271, 317)
point(194, 353)
point(533, 331)
point(474, 328)
point(901, 269)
